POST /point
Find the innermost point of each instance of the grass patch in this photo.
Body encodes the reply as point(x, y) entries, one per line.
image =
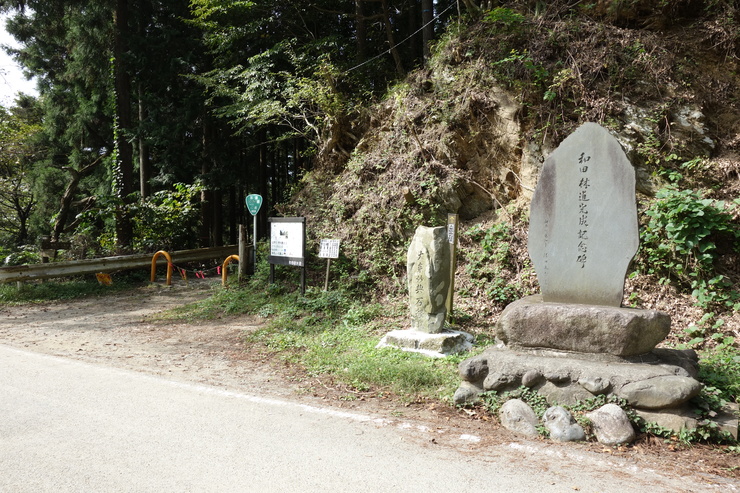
point(39, 292)
point(332, 333)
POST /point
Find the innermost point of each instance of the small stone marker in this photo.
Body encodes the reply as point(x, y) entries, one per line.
point(428, 271)
point(428, 264)
point(583, 228)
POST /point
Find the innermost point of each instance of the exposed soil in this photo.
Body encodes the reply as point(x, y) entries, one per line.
point(123, 331)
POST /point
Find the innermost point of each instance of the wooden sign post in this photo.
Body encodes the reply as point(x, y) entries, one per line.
point(329, 249)
point(452, 223)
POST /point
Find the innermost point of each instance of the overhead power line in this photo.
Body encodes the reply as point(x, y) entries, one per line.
point(388, 51)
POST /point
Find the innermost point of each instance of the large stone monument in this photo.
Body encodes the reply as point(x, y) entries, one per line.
point(575, 340)
point(583, 220)
point(428, 278)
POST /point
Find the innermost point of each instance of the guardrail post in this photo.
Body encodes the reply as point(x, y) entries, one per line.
point(169, 266)
point(224, 271)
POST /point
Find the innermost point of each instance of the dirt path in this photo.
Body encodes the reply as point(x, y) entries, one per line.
point(122, 331)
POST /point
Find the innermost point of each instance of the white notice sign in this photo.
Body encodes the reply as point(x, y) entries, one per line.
point(329, 249)
point(286, 239)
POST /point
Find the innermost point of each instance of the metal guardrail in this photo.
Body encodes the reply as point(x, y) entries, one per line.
point(107, 264)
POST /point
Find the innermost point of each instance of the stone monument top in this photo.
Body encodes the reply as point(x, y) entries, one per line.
point(583, 228)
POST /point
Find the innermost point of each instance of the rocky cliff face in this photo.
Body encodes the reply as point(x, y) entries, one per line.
point(468, 133)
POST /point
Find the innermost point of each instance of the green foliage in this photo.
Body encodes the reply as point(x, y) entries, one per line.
point(719, 370)
point(682, 240)
point(502, 16)
point(66, 290)
point(168, 220)
point(27, 255)
point(519, 67)
point(492, 264)
point(19, 128)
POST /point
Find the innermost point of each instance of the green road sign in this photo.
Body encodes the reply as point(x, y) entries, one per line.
point(254, 202)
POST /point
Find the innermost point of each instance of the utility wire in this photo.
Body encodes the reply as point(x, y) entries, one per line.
point(386, 52)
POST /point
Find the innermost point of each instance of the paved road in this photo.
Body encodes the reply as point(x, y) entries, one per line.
point(70, 426)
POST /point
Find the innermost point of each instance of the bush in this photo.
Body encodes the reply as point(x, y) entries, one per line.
point(682, 241)
point(26, 255)
point(720, 369)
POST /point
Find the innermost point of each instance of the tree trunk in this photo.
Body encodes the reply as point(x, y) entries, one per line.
point(414, 24)
point(125, 152)
point(361, 31)
point(145, 171)
point(262, 180)
point(391, 39)
point(233, 216)
point(473, 6)
point(68, 196)
point(217, 224)
point(427, 16)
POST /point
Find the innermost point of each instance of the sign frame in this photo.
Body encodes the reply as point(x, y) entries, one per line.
point(293, 254)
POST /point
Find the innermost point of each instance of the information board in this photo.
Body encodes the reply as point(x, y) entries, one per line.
point(287, 241)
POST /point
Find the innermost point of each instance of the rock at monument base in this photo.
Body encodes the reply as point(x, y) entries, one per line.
point(660, 392)
point(728, 418)
point(436, 345)
point(517, 416)
point(567, 380)
point(611, 425)
point(687, 359)
point(561, 425)
point(428, 268)
point(467, 393)
point(532, 323)
point(671, 419)
point(686, 418)
point(566, 395)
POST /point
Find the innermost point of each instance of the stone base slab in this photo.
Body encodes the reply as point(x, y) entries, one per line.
point(651, 385)
point(436, 345)
point(595, 329)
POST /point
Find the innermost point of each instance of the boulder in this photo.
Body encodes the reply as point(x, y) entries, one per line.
point(564, 395)
point(671, 419)
point(517, 416)
point(532, 323)
point(561, 425)
point(660, 392)
point(611, 425)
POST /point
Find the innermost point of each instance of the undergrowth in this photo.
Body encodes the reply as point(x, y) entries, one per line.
point(333, 334)
point(38, 292)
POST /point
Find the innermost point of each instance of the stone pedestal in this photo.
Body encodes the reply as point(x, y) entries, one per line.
point(532, 323)
point(653, 384)
point(435, 345)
